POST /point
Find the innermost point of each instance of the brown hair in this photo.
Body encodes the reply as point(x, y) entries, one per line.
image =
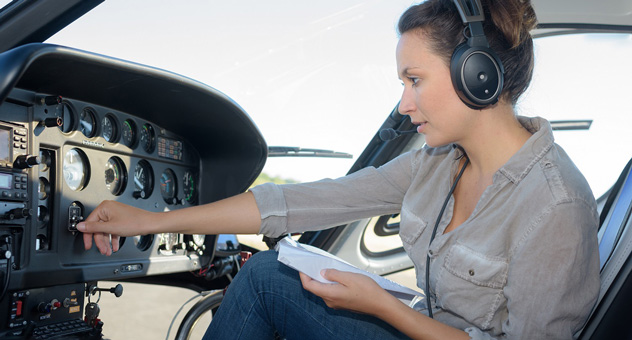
point(507, 33)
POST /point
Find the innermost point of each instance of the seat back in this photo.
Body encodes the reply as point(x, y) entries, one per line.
point(615, 248)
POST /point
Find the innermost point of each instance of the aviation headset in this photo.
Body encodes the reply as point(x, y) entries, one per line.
point(477, 72)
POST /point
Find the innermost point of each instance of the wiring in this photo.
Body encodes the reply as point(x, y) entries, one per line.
point(200, 295)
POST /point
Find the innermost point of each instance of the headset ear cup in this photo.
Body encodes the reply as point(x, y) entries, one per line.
point(477, 75)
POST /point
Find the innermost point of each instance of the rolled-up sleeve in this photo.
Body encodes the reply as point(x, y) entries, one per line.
point(319, 205)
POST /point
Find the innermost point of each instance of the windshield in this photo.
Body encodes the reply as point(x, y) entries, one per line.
point(323, 75)
point(318, 74)
point(4, 3)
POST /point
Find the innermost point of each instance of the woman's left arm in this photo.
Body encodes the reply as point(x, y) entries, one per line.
point(359, 293)
point(553, 278)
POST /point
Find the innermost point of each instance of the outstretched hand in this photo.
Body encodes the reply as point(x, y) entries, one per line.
point(354, 292)
point(108, 222)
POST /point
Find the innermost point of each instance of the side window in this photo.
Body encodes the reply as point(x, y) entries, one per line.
point(576, 77)
point(586, 76)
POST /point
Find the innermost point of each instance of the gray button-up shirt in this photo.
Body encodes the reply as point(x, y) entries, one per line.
point(524, 265)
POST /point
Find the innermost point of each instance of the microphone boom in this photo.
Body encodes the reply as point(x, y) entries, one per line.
point(390, 134)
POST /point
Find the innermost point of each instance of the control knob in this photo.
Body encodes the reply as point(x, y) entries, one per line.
point(51, 100)
point(44, 307)
point(26, 161)
point(139, 194)
point(18, 213)
point(52, 122)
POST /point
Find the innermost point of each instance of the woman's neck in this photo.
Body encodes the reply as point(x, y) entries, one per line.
point(496, 137)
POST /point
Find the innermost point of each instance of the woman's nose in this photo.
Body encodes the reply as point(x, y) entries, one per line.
point(406, 103)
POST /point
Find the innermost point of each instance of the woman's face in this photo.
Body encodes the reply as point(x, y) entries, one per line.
point(429, 97)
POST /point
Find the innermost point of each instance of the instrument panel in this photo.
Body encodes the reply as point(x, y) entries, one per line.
point(151, 146)
point(81, 163)
point(138, 135)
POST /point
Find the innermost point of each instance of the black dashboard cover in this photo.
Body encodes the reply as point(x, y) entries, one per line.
point(232, 149)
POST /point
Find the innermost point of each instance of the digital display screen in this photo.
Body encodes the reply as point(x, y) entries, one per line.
point(5, 181)
point(170, 148)
point(5, 145)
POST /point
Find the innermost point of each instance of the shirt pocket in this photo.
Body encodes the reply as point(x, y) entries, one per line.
point(471, 285)
point(411, 227)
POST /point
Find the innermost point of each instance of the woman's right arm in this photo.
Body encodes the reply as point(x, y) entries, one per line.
point(234, 215)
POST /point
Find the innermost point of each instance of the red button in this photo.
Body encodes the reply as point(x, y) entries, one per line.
point(18, 308)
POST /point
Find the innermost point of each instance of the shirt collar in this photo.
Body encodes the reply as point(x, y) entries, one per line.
point(532, 151)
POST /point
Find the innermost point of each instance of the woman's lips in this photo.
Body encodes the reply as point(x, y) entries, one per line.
point(420, 127)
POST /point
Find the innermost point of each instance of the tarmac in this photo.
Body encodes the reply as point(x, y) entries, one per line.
point(145, 312)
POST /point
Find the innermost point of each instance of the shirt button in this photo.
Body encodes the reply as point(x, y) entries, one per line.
point(471, 272)
point(430, 252)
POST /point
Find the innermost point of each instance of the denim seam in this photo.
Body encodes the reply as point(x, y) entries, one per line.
point(243, 324)
point(272, 293)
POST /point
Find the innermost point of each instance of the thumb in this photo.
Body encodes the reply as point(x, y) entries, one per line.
point(81, 226)
point(332, 274)
point(92, 227)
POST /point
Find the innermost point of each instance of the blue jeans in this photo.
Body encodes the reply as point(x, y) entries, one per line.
point(267, 296)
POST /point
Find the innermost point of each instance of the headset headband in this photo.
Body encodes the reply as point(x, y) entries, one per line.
point(471, 12)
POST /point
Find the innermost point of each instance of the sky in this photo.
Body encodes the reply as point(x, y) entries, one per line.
point(318, 74)
point(322, 74)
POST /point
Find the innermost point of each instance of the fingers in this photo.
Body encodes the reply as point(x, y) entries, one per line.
point(102, 241)
point(115, 243)
point(348, 292)
point(87, 241)
point(100, 213)
point(324, 290)
point(92, 227)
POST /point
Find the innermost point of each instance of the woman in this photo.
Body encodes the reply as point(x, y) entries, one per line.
point(515, 252)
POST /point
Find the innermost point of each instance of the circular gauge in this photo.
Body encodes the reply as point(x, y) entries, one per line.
point(128, 135)
point(76, 169)
point(45, 160)
point(168, 187)
point(168, 241)
point(143, 179)
point(44, 188)
point(148, 138)
point(88, 122)
point(143, 242)
point(115, 175)
point(110, 129)
point(190, 184)
point(67, 114)
point(42, 214)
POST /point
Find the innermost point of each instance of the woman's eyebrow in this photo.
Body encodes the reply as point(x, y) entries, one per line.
point(406, 71)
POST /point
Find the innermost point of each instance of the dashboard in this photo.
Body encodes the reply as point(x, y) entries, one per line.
point(77, 128)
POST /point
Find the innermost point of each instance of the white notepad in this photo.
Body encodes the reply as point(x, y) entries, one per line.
point(311, 260)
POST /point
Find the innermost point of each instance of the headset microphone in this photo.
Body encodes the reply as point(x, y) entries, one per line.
point(390, 134)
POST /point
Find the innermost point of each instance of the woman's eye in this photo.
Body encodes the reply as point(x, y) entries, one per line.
point(413, 80)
